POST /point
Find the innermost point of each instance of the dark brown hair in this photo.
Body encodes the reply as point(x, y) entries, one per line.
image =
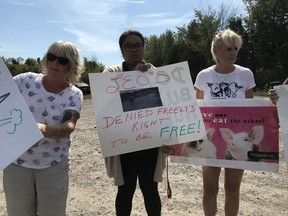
point(125, 34)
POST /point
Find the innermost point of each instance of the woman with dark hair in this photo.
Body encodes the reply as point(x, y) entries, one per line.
point(37, 182)
point(146, 165)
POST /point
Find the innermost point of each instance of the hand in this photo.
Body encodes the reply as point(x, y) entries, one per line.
point(142, 67)
point(167, 149)
point(272, 94)
point(42, 128)
point(47, 132)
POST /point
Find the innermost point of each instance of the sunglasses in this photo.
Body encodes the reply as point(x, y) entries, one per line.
point(60, 60)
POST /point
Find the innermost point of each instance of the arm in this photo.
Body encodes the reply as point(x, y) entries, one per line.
point(272, 94)
point(114, 68)
point(62, 130)
point(249, 93)
point(167, 149)
point(199, 94)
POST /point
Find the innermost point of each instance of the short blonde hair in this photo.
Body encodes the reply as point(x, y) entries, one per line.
point(225, 37)
point(68, 50)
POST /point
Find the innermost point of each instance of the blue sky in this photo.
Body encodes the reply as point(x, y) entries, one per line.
point(28, 27)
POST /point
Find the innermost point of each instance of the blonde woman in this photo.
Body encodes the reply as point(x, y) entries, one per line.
point(37, 182)
point(224, 80)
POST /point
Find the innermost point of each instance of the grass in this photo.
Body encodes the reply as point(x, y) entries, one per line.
point(87, 96)
point(261, 93)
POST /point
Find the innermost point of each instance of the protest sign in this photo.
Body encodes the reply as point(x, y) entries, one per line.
point(136, 111)
point(242, 134)
point(18, 128)
point(282, 105)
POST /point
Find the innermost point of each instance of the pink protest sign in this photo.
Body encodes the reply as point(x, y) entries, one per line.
point(241, 134)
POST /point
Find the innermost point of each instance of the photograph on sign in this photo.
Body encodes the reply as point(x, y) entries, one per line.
point(140, 99)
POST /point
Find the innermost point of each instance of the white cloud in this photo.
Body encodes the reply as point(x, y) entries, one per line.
point(128, 1)
point(92, 42)
point(23, 3)
point(154, 15)
point(98, 24)
point(94, 25)
point(161, 20)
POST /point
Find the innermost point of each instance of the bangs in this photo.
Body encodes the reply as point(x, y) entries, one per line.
point(228, 39)
point(57, 49)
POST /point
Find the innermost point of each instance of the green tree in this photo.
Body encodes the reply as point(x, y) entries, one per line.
point(268, 34)
point(33, 65)
point(189, 43)
point(91, 66)
point(153, 51)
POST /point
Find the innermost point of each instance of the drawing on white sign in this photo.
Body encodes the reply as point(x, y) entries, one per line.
point(3, 97)
point(14, 120)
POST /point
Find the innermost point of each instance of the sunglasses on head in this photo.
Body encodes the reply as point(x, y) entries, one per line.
point(60, 60)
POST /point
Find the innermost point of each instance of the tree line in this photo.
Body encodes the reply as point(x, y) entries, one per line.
point(19, 65)
point(264, 30)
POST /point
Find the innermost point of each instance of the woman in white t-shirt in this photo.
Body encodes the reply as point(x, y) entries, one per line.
point(224, 80)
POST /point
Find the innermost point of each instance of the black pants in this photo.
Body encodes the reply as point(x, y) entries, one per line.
point(141, 164)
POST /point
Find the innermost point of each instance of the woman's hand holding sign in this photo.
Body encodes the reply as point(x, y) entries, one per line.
point(142, 67)
point(273, 96)
point(167, 149)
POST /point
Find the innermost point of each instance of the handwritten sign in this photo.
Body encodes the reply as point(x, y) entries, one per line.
point(241, 134)
point(282, 105)
point(136, 111)
point(18, 129)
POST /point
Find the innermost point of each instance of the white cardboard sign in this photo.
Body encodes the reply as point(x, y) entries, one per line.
point(18, 128)
point(282, 105)
point(136, 111)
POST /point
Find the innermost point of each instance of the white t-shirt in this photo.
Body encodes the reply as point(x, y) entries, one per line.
point(47, 108)
point(225, 86)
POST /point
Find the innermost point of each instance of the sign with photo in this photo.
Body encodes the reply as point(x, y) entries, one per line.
point(141, 110)
point(18, 128)
point(242, 134)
